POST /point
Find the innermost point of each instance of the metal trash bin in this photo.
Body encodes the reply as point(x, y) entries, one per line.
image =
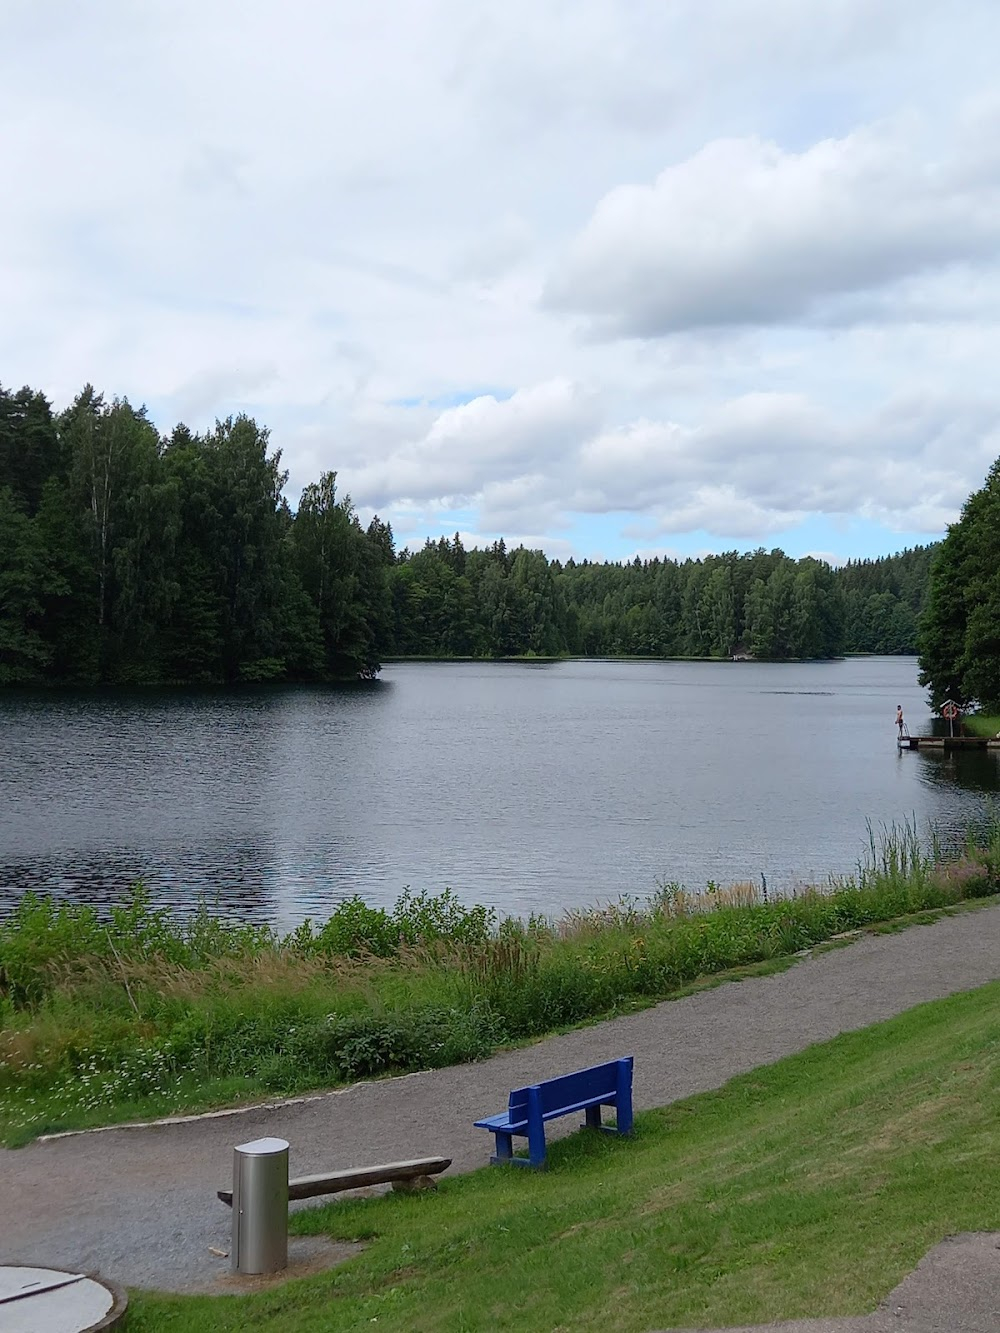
point(260, 1206)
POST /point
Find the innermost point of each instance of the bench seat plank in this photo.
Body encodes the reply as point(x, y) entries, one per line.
point(333, 1182)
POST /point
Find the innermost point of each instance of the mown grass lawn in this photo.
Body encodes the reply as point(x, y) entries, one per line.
point(981, 724)
point(809, 1187)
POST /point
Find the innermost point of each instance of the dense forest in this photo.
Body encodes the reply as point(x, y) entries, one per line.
point(498, 602)
point(131, 557)
point(960, 635)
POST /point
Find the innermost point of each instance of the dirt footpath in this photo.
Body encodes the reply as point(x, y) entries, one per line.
point(139, 1204)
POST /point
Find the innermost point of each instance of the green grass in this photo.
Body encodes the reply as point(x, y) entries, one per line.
point(980, 724)
point(810, 1187)
point(139, 1015)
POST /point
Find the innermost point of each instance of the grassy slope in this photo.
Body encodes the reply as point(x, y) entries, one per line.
point(981, 724)
point(808, 1187)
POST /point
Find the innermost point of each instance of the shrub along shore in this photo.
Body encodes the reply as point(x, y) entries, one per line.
point(138, 1014)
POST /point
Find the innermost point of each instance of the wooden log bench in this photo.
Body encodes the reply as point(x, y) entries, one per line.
point(415, 1175)
point(586, 1090)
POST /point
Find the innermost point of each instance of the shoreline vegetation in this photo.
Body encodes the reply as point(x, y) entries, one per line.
point(442, 659)
point(982, 724)
point(135, 557)
point(137, 1014)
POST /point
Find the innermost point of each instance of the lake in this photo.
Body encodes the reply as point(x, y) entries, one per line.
point(533, 788)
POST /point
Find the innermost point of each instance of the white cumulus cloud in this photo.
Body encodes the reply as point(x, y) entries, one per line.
point(745, 232)
point(590, 273)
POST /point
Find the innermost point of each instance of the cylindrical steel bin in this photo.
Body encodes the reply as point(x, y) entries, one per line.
point(260, 1206)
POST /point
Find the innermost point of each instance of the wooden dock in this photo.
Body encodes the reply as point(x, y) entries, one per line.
point(949, 743)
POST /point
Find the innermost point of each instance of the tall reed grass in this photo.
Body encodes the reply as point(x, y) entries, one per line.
point(139, 1013)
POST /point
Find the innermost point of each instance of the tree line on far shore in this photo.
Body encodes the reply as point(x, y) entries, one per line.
point(498, 602)
point(129, 557)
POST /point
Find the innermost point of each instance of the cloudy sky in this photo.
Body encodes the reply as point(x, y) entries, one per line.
point(602, 276)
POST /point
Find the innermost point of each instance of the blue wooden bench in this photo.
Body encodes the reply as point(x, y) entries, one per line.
point(586, 1090)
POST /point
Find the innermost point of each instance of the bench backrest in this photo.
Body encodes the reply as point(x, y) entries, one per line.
point(583, 1085)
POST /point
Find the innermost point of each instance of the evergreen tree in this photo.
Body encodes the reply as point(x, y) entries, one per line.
point(342, 571)
point(24, 577)
point(960, 633)
point(192, 643)
point(246, 486)
point(29, 446)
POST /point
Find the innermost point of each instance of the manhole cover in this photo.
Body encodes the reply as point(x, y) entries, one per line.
point(45, 1300)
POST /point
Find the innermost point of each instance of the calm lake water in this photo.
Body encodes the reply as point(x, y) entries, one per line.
point(532, 788)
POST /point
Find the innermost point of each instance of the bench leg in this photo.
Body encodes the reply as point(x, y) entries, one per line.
point(536, 1129)
point(623, 1096)
point(505, 1148)
point(536, 1151)
point(593, 1114)
point(504, 1155)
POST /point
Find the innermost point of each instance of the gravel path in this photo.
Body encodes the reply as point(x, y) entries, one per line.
point(139, 1204)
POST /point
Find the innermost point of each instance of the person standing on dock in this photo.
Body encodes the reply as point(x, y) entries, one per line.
point(899, 718)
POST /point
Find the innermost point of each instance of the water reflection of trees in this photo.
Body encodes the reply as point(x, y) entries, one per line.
point(973, 770)
point(238, 880)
